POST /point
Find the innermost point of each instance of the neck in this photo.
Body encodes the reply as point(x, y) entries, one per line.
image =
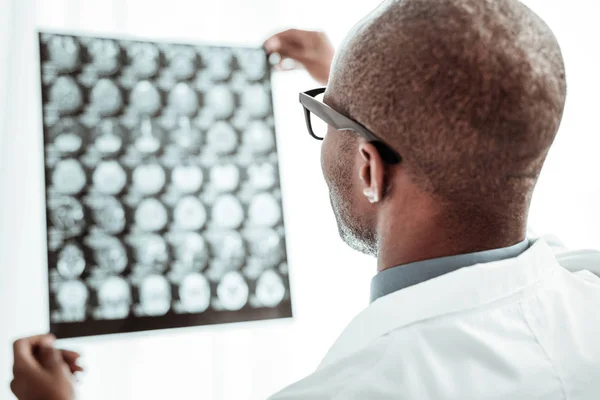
point(425, 236)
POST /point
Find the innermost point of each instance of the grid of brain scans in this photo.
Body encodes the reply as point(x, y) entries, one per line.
point(162, 186)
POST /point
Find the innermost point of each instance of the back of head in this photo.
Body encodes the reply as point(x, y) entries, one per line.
point(469, 92)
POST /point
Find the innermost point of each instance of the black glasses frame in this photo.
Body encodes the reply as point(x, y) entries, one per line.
point(342, 123)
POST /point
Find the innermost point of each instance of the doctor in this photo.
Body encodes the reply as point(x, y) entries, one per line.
point(440, 114)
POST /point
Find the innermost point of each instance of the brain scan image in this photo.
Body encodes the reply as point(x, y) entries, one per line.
point(68, 142)
point(184, 99)
point(149, 137)
point(146, 98)
point(255, 100)
point(151, 249)
point(155, 295)
point(228, 246)
point(225, 178)
point(189, 214)
point(68, 137)
point(187, 178)
point(262, 176)
point(222, 138)
point(253, 63)
point(190, 249)
point(64, 52)
point(109, 214)
point(66, 94)
point(151, 215)
point(266, 250)
point(67, 214)
point(270, 289)
point(258, 137)
point(183, 64)
point(71, 261)
point(162, 186)
point(194, 293)
point(149, 179)
point(220, 101)
point(114, 299)
point(69, 177)
point(109, 138)
point(267, 245)
point(218, 63)
point(227, 212)
point(264, 210)
point(145, 59)
point(111, 255)
point(233, 291)
point(105, 56)
point(109, 178)
point(72, 298)
point(187, 136)
point(106, 97)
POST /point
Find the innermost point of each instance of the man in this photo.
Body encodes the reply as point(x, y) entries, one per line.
point(440, 114)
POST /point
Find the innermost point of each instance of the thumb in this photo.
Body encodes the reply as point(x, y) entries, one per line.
point(273, 44)
point(50, 358)
point(290, 44)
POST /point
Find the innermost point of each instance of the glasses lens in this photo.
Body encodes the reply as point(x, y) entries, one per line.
point(319, 127)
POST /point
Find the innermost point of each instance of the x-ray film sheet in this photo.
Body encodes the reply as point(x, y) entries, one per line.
point(162, 186)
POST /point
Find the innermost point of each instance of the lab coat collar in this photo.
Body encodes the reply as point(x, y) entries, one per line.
point(463, 289)
point(403, 276)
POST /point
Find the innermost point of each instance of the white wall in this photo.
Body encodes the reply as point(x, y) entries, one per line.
point(567, 198)
point(330, 283)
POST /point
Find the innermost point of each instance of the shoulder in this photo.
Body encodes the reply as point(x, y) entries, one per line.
point(584, 262)
point(354, 376)
point(454, 357)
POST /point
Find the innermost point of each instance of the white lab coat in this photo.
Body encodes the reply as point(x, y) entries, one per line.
point(522, 328)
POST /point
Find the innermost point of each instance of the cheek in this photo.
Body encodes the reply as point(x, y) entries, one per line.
point(325, 161)
point(339, 166)
point(330, 156)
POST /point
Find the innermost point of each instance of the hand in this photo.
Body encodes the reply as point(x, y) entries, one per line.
point(42, 372)
point(311, 49)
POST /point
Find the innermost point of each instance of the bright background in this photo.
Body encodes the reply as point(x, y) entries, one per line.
point(330, 282)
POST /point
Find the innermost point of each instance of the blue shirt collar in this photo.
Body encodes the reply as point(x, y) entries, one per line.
point(403, 276)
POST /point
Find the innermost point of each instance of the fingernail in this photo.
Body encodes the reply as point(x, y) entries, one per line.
point(288, 64)
point(274, 59)
point(272, 44)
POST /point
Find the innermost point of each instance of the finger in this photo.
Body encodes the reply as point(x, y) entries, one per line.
point(290, 35)
point(23, 349)
point(76, 368)
point(274, 59)
point(272, 45)
point(285, 67)
point(287, 44)
point(288, 64)
point(71, 358)
point(275, 42)
point(51, 358)
point(16, 387)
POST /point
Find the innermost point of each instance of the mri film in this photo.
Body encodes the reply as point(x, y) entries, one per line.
point(163, 196)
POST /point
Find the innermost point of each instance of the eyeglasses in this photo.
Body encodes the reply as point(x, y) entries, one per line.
point(324, 113)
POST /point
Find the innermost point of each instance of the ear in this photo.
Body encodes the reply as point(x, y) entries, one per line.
point(372, 172)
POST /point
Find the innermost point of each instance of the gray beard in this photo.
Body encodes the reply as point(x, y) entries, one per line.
point(354, 235)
